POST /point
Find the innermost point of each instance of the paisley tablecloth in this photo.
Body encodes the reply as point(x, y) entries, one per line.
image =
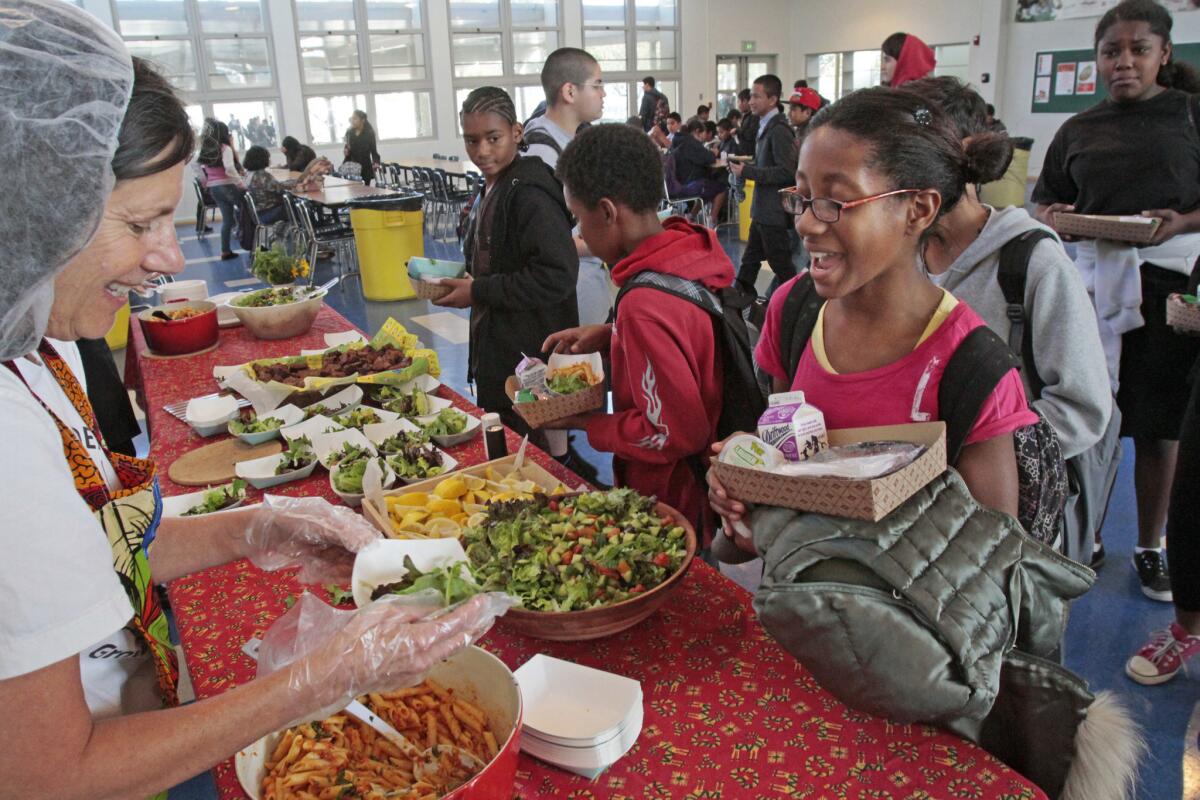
point(728, 713)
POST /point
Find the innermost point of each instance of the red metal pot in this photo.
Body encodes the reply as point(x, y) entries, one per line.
point(181, 336)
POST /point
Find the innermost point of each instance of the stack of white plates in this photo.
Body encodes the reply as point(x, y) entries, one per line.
point(576, 717)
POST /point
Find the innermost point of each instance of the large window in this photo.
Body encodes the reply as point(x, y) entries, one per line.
point(216, 52)
point(632, 39)
point(369, 55)
point(834, 75)
point(503, 43)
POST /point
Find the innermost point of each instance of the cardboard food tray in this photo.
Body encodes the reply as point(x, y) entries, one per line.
point(1183, 316)
point(428, 290)
point(539, 412)
point(843, 497)
point(530, 470)
point(1112, 228)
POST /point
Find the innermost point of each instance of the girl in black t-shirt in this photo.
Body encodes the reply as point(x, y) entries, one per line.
point(1138, 152)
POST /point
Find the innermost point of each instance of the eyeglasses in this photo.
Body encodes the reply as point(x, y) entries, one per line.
point(826, 209)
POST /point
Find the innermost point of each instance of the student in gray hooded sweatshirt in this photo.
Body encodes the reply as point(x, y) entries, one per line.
point(963, 257)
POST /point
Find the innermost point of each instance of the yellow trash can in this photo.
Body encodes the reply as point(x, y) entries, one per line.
point(388, 233)
point(744, 212)
point(118, 335)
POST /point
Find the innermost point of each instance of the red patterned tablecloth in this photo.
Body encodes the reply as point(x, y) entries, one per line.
point(728, 713)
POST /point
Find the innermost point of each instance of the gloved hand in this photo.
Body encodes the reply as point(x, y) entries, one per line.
point(333, 656)
point(308, 532)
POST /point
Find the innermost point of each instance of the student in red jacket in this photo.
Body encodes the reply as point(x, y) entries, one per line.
point(665, 362)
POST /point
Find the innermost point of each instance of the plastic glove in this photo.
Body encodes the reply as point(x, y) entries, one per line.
point(308, 532)
point(334, 656)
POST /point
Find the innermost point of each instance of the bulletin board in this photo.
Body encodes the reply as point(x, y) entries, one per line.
point(1067, 82)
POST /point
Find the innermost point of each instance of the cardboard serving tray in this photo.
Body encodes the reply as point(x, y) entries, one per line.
point(529, 469)
point(540, 412)
point(843, 497)
point(1183, 316)
point(1138, 230)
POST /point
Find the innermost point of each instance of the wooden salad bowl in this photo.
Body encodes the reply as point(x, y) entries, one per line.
point(596, 623)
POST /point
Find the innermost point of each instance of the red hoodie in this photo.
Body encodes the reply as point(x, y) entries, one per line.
point(915, 62)
point(666, 372)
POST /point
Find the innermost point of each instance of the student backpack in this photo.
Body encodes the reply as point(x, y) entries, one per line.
point(541, 137)
point(981, 360)
point(1092, 473)
point(737, 319)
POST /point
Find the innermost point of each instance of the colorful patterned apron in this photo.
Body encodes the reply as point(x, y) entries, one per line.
point(129, 517)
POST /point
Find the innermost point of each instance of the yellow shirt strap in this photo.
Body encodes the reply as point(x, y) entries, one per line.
point(947, 304)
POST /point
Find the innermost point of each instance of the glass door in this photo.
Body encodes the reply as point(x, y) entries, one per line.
point(735, 73)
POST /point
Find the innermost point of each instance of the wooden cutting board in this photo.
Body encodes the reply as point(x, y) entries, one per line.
point(214, 463)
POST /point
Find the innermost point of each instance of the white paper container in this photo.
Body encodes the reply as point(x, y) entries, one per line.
point(382, 562)
point(474, 425)
point(336, 340)
point(383, 413)
point(209, 415)
point(378, 432)
point(449, 464)
point(354, 499)
point(312, 428)
point(326, 444)
point(569, 701)
point(436, 404)
point(260, 472)
point(176, 505)
point(588, 758)
point(289, 414)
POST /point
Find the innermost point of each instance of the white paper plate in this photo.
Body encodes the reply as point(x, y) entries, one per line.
point(260, 472)
point(569, 701)
point(382, 562)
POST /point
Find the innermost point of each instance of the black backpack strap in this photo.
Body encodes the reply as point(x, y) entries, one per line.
point(1012, 274)
point(799, 318)
point(541, 137)
point(971, 375)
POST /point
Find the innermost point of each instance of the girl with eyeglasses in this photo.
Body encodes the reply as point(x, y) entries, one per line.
point(877, 171)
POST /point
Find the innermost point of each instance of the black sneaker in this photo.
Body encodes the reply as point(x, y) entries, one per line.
point(1151, 566)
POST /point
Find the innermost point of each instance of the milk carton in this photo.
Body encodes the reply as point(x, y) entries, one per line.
point(796, 428)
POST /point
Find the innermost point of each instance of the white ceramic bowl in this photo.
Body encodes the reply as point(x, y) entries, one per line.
point(280, 322)
point(260, 472)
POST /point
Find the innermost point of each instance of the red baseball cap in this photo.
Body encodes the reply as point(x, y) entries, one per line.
point(807, 97)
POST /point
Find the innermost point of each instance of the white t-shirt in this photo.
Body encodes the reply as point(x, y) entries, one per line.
point(58, 589)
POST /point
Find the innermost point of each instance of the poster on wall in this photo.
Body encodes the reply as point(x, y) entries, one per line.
point(1045, 63)
point(1085, 78)
point(1041, 90)
point(1064, 83)
point(1049, 10)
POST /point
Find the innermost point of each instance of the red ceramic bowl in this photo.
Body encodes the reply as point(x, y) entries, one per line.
point(181, 336)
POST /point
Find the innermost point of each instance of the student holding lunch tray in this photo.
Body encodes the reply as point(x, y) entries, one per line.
point(1137, 153)
point(87, 672)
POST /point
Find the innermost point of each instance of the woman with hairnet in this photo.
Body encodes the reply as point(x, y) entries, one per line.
point(87, 674)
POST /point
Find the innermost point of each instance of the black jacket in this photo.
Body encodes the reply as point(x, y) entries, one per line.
point(691, 158)
point(303, 156)
point(648, 107)
point(747, 132)
point(362, 151)
point(528, 292)
point(774, 168)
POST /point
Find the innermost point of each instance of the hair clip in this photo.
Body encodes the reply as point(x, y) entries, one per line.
point(923, 116)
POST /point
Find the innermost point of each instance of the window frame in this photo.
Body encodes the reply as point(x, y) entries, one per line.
point(367, 84)
point(632, 74)
point(509, 80)
point(845, 67)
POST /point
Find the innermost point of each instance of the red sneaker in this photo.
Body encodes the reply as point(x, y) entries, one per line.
point(1163, 656)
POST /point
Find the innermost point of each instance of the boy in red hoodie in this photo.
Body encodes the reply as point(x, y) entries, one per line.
point(665, 368)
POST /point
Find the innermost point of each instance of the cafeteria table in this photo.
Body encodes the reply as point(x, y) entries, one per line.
point(728, 712)
point(330, 181)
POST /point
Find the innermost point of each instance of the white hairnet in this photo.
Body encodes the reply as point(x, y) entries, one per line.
point(65, 80)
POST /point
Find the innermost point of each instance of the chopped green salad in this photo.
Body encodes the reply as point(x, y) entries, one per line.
point(567, 384)
point(254, 424)
point(298, 455)
point(449, 422)
point(273, 297)
point(453, 582)
point(575, 553)
point(219, 498)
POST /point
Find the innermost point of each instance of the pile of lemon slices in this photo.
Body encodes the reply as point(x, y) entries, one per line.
point(457, 502)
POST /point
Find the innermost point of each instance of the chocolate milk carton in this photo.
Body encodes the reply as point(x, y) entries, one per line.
point(796, 428)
